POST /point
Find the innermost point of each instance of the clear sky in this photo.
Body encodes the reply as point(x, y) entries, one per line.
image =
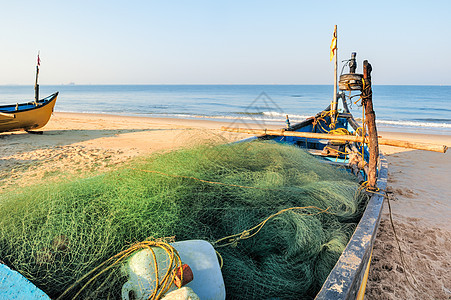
point(222, 42)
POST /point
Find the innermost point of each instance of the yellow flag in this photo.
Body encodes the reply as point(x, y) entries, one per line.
point(333, 45)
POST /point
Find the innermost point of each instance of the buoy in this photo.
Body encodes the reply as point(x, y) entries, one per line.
point(183, 276)
point(200, 269)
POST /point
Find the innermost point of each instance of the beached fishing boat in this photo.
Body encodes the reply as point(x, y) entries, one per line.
point(27, 116)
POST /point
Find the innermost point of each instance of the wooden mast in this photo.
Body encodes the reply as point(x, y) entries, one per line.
point(335, 106)
point(370, 120)
point(36, 85)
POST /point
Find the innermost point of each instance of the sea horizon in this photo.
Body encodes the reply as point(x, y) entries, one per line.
point(403, 108)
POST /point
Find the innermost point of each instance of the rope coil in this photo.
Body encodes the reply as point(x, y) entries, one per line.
point(233, 240)
point(162, 285)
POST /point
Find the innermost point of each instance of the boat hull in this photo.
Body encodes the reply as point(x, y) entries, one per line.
point(27, 116)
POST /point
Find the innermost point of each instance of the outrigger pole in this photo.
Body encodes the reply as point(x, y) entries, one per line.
point(36, 85)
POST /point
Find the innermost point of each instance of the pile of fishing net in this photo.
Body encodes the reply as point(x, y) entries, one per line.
point(55, 233)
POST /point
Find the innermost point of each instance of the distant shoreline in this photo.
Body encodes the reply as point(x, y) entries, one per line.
point(274, 125)
point(207, 84)
point(412, 109)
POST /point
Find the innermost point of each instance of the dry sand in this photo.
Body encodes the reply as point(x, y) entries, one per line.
point(419, 186)
point(74, 143)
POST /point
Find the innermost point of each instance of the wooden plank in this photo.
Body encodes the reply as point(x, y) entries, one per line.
point(350, 138)
point(413, 145)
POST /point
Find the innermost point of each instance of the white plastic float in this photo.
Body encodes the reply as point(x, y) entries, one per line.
point(200, 255)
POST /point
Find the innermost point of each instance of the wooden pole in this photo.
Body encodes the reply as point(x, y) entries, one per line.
point(349, 138)
point(335, 106)
point(370, 120)
point(36, 85)
point(413, 145)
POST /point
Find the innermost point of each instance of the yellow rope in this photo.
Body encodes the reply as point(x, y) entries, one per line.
point(161, 286)
point(340, 131)
point(324, 129)
point(373, 190)
point(233, 240)
point(329, 113)
point(221, 260)
point(338, 152)
point(333, 115)
point(363, 131)
point(317, 121)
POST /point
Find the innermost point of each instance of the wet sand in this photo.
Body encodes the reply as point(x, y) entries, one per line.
point(419, 186)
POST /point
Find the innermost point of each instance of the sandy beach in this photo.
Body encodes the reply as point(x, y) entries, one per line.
point(419, 186)
point(420, 199)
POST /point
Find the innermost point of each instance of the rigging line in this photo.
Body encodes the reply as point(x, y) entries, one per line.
point(401, 254)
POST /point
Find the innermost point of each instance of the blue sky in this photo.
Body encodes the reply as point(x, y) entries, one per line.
point(222, 42)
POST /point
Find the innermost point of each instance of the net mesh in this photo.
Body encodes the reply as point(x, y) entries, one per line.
point(55, 233)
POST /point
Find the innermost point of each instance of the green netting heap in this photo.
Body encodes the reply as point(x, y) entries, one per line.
point(55, 233)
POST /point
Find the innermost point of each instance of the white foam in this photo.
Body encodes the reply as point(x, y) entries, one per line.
point(414, 124)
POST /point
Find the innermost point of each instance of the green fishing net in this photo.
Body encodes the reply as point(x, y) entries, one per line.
point(55, 233)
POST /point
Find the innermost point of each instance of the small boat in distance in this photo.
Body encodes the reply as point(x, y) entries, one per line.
point(27, 116)
point(30, 115)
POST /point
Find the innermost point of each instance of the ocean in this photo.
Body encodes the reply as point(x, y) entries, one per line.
point(408, 108)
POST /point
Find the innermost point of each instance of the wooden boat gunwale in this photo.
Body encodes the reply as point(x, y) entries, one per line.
point(43, 102)
point(347, 280)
